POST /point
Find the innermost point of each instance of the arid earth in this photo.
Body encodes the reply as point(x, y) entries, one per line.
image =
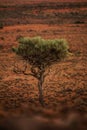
point(65, 87)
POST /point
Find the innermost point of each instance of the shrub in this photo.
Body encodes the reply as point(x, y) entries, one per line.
point(1, 25)
point(79, 22)
point(40, 54)
point(2, 38)
point(1, 46)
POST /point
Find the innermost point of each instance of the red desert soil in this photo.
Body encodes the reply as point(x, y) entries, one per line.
point(66, 83)
point(65, 87)
point(35, 1)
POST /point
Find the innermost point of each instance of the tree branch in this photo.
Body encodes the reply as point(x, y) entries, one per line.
point(33, 73)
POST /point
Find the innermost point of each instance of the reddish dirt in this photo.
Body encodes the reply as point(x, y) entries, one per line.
point(65, 87)
point(34, 1)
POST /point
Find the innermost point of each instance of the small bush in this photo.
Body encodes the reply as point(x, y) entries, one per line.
point(1, 46)
point(2, 38)
point(1, 25)
point(79, 22)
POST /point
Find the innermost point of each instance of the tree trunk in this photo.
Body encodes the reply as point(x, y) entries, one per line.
point(40, 83)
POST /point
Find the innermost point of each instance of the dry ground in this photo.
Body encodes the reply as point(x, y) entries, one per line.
point(65, 87)
point(65, 84)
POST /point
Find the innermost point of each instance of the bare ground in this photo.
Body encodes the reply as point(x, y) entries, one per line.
point(65, 87)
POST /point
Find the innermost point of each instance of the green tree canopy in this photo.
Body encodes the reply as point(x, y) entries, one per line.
point(40, 52)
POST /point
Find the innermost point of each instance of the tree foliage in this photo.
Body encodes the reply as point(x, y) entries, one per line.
point(40, 52)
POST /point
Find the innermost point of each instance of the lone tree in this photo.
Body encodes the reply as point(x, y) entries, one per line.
point(40, 54)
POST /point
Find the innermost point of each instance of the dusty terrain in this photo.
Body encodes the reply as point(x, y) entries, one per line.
point(43, 12)
point(65, 87)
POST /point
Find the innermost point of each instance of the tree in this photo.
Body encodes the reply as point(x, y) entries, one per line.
point(41, 54)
